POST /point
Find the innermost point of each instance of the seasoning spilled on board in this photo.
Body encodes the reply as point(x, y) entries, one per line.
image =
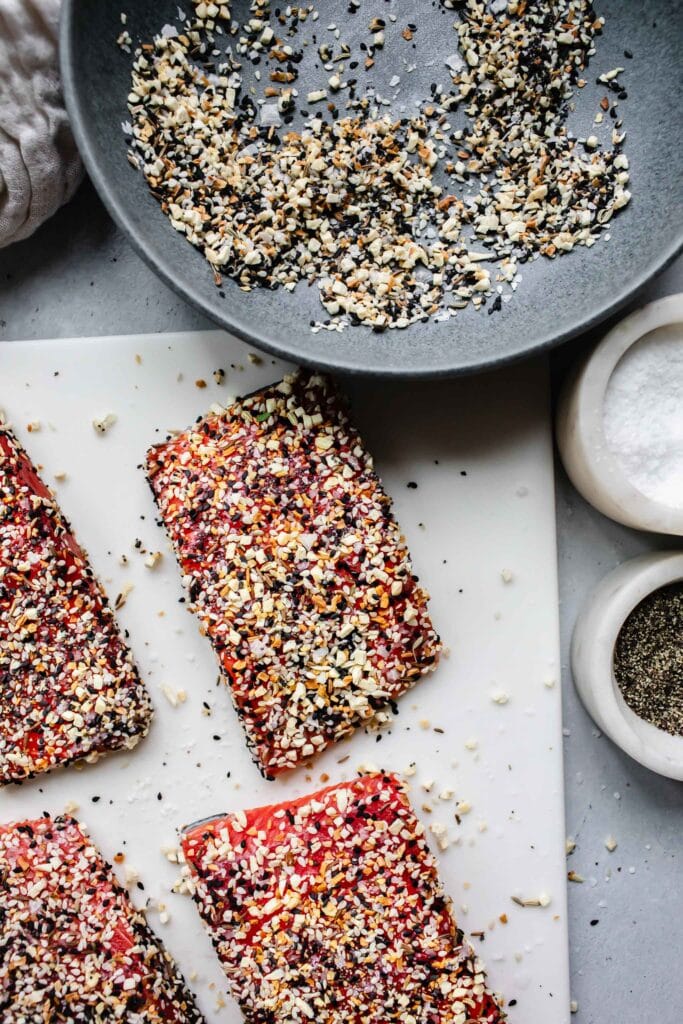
point(648, 659)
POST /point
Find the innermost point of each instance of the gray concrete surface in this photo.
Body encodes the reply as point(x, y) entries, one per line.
point(78, 276)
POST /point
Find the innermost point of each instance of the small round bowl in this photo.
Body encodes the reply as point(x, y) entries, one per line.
point(592, 656)
point(589, 462)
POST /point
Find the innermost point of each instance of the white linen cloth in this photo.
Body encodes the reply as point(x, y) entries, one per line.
point(39, 164)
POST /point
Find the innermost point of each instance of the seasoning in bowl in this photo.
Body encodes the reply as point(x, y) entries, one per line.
point(397, 218)
point(648, 659)
point(643, 415)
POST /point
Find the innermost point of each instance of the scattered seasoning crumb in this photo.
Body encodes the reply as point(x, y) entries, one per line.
point(440, 833)
point(200, 383)
point(61, 475)
point(170, 852)
point(610, 844)
point(122, 596)
point(500, 697)
point(572, 876)
point(506, 576)
point(570, 845)
point(34, 426)
point(174, 697)
point(532, 901)
point(153, 559)
point(103, 425)
point(131, 876)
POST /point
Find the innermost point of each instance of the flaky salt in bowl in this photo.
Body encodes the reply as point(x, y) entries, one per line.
point(620, 421)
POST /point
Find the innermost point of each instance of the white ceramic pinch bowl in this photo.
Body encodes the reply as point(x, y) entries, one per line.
point(592, 659)
point(590, 464)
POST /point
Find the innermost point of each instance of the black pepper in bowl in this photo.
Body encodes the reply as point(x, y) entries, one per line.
point(648, 659)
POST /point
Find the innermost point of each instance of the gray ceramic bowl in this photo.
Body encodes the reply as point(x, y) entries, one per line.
point(556, 300)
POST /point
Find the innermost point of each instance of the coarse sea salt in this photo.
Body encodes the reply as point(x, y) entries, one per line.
point(643, 415)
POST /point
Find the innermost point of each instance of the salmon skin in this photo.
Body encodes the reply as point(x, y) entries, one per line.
point(295, 566)
point(68, 686)
point(74, 948)
point(329, 909)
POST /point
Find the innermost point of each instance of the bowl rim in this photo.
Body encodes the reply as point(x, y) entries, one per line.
point(592, 651)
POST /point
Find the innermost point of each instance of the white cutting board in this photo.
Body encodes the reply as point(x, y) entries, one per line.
point(464, 532)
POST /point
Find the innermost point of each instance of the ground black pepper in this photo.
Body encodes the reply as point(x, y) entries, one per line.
point(648, 659)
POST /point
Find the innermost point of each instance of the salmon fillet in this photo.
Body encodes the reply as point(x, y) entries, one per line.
point(295, 566)
point(74, 948)
point(329, 909)
point(68, 686)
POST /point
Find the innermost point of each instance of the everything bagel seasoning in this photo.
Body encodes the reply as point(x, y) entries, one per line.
point(397, 217)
